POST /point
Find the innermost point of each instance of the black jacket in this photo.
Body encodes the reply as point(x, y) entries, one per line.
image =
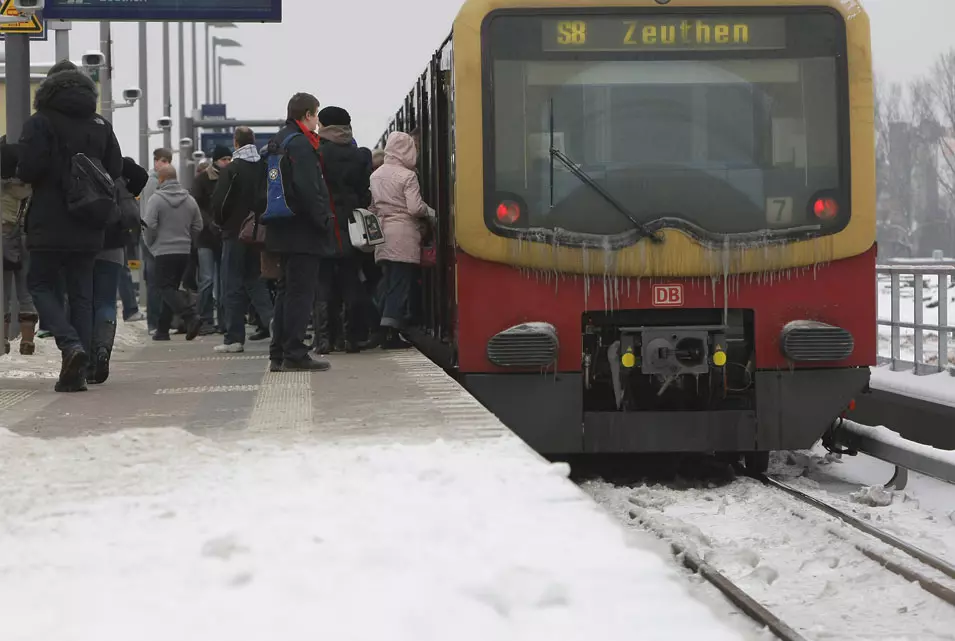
point(203, 187)
point(236, 195)
point(312, 230)
point(346, 175)
point(65, 124)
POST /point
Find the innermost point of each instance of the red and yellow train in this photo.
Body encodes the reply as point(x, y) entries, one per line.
point(656, 226)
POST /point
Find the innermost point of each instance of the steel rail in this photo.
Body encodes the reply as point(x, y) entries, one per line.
point(933, 587)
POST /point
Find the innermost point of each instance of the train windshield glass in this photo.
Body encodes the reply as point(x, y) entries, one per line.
point(721, 127)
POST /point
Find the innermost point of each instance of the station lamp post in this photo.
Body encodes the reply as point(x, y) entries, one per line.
point(210, 56)
point(225, 62)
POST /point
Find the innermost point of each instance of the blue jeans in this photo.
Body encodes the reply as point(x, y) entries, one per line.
point(73, 330)
point(210, 287)
point(127, 292)
point(106, 279)
point(153, 292)
point(241, 279)
point(395, 292)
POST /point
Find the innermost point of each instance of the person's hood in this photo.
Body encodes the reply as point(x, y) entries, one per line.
point(400, 150)
point(339, 134)
point(247, 153)
point(173, 193)
point(71, 93)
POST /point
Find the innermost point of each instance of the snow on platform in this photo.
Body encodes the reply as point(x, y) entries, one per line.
point(375, 501)
point(933, 388)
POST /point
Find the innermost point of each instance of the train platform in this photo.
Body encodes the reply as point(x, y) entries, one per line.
point(198, 496)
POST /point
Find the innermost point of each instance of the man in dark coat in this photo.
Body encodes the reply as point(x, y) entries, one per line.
point(209, 250)
point(302, 240)
point(65, 124)
point(234, 199)
point(346, 174)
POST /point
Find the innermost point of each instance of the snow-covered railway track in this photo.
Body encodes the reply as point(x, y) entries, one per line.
point(804, 574)
point(929, 585)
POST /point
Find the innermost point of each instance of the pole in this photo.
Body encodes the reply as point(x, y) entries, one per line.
point(195, 70)
point(206, 71)
point(219, 79)
point(18, 103)
point(61, 35)
point(182, 103)
point(215, 98)
point(144, 100)
point(106, 78)
point(166, 86)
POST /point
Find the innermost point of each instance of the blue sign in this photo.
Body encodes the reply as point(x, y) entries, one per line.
point(212, 111)
point(159, 10)
point(209, 141)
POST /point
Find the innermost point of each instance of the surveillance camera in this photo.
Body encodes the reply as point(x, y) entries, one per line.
point(165, 122)
point(198, 155)
point(132, 94)
point(185, 143)
point(27, 5)
point(93, 59)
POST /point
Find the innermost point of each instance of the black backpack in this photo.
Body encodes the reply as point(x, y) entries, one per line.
point(126, 230)
point(91, 193)
point(89, 189)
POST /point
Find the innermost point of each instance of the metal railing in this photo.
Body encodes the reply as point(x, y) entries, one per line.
point(907, 338)
point(891, 448)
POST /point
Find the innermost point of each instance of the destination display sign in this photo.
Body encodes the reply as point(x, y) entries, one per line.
point(165, 10)
point(648, 33)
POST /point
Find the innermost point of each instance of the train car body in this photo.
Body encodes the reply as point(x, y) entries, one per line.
point(656, 219)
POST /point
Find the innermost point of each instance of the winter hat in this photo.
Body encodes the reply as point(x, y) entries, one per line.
point(62, 65)
point(220, 152)
point(331, 116)
point(136, 177)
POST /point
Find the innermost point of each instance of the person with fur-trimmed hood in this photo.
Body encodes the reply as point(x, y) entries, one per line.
point(65, 124)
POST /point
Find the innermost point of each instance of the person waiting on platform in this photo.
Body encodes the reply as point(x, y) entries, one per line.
point(397, 201)
point(173, 223)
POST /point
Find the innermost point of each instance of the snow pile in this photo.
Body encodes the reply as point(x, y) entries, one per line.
point(934, 388)
point(45, 363)
point(873, 496)
point(159, 535)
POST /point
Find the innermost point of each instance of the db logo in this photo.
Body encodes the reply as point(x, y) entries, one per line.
point(668, 295)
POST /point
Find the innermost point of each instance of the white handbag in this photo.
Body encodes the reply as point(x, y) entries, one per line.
point(364, 230)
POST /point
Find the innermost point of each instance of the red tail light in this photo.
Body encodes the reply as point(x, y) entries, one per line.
point(825, 208)
point(508, 212)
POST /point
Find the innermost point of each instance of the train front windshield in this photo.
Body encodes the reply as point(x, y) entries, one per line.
point(722, 125)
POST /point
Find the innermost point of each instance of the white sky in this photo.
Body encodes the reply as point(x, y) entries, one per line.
point(364, 55)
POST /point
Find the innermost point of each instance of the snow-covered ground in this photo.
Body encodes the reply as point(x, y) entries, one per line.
point(159, 534)
point(45, 363)
point(815, 581)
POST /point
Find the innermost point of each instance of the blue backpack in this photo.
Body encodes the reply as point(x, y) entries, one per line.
point(276, 165)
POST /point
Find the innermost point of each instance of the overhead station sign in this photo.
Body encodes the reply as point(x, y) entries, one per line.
point(169, 10)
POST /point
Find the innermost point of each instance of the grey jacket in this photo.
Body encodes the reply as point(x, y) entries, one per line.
point(173, 220)
point(151, 185)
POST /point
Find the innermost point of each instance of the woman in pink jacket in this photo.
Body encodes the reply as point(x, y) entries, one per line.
point(396, 198)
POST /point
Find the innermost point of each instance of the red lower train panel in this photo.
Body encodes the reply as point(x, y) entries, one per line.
point(493, 297)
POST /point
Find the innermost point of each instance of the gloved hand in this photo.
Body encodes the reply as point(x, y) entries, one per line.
point(432, 214)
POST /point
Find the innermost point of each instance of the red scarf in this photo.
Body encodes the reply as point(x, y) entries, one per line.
point(311, 135)
point(313, 139)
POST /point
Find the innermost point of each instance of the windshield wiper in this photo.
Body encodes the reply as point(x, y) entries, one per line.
point(593, 184)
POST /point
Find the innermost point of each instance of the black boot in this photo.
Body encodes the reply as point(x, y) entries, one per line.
point(392, 340)
point(351, 343)
point(103, 336)
point(322, 343)
point(73, 371)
